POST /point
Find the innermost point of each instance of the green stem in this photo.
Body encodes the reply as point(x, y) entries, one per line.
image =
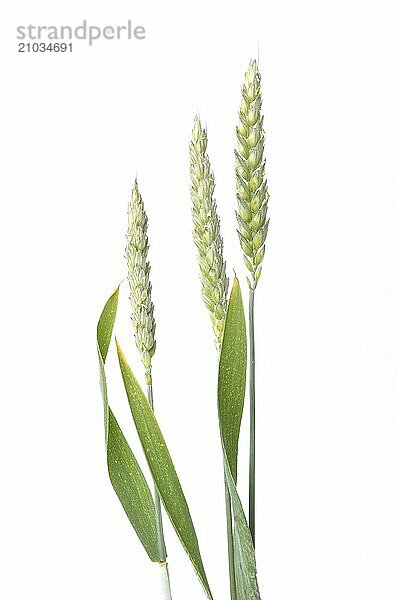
point(159, 523)
point(252, 392)
point(231, 561)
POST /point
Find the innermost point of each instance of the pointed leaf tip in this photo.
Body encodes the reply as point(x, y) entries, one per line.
point(106, 323)
point(236, 284)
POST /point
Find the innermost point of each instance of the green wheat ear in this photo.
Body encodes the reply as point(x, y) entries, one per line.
point(206, 232)
point(251, 184)
point(138, 278)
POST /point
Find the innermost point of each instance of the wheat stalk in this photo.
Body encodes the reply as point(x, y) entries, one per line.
point(252, 195)
point(144, 326)
point(209, 243)
point(206, 232)
point(251, 184)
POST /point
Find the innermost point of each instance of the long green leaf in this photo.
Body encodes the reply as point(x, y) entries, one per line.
point(162, 469)
point(231, 396)
point(125, 474)
point(232, 376)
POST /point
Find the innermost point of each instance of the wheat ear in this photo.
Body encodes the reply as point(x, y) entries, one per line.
point(251, 184)
point(206, 232)
point(138, 277)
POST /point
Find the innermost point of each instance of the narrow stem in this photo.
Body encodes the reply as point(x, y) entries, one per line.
point(159, 522)
point(231, 561)
point(165, 581)
point(252, 392)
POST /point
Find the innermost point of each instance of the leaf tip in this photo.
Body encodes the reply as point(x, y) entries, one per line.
point(119, 351)
point(235, 285)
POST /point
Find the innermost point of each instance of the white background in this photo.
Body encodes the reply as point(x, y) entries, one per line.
point(75, 130)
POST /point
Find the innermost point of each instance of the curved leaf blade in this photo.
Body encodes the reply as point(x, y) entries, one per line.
point(162, 469)
point(231, 396)
point(106, 323)
point(125, 474)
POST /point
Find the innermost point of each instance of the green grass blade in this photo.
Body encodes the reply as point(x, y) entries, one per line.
point(231, 396)
point(162, 469)
point(232, 377)
point(125, 474)
point(244, 555)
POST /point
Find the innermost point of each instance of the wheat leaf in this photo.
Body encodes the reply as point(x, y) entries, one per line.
point(162, 469)
point(125, 474)
point(231, 394)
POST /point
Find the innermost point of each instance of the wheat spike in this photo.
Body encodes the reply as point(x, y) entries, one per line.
point(206, 232)
point(251, 184)
point(138, 278)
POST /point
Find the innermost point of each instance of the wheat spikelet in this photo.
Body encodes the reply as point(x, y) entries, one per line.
point(251, 184)
point(206, 232)
point(139, 282)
